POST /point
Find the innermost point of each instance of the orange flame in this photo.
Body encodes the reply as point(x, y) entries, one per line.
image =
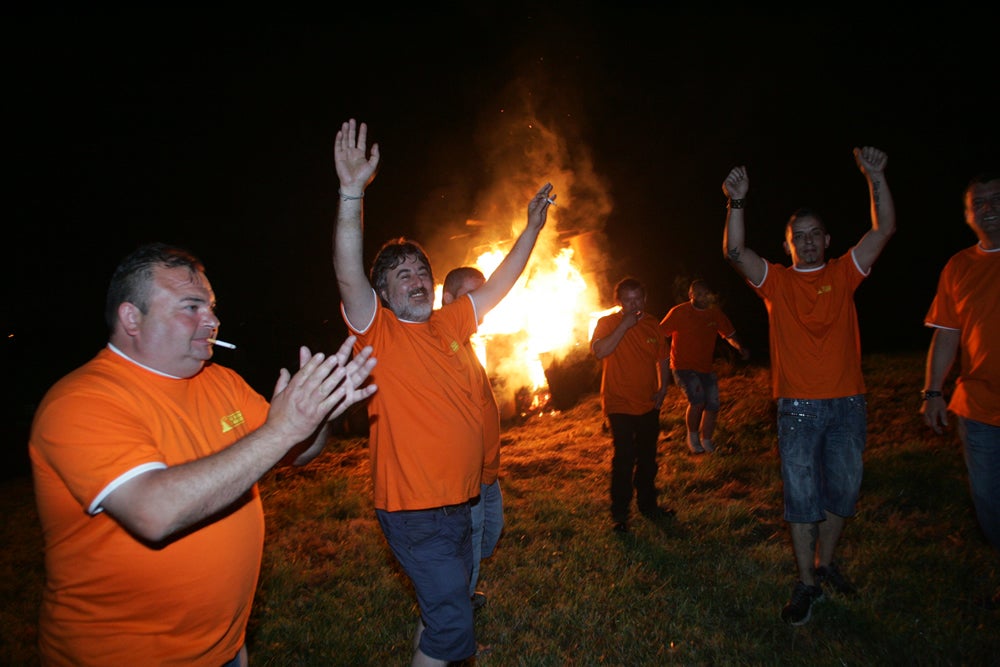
point(549, 313)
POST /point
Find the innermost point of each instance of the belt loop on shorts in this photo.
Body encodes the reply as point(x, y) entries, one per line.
point(451, 509)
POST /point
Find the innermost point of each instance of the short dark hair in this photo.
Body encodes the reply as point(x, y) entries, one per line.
point(393, 253)
point(981, 178)
point(133, 277)
point(626, 284)
point(804, 212)
point(459, 275)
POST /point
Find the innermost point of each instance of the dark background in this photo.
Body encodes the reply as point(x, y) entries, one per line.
point(215, 132)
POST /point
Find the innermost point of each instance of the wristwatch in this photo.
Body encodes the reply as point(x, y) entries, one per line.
point(930, 393)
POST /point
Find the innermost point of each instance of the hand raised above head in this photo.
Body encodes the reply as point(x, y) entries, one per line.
point(538, 207)
point(355, 168)
point(737, 183)
point(870, 159)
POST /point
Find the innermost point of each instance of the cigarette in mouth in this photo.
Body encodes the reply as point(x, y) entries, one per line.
point(551, 202)
point(221, 343)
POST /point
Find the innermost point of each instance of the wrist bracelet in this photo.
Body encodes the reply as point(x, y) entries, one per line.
point(344, 197)
point(735, 203)
point(930, 393)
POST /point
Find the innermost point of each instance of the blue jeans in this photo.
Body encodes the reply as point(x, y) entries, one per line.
point(700, 388)
point(239, 660)
point(982, 458)
point(821, 442)
point(487, 524)
point(434, 547)
point(634, 462)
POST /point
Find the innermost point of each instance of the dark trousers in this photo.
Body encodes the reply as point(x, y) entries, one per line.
point(634, 462)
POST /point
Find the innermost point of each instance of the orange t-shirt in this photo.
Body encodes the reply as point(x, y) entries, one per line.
point(426, 419)
point(692, 333)
point(110, 599)
point(968, 299)
point(630, 374)
point(815, 343)
point(491, 421)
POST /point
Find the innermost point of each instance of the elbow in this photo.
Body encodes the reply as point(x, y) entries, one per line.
point(151, 529)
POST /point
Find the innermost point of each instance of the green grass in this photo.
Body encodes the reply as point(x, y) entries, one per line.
point(705, 588)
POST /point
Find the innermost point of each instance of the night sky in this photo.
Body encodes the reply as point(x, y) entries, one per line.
point(217, 136)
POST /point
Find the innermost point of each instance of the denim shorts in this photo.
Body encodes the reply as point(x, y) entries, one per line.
point(700, 388)
point(821, 442)
point(434, 547)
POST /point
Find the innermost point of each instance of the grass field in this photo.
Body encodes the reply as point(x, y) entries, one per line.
point(704, 588)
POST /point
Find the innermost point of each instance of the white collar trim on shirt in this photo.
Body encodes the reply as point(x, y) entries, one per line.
point(151, 370)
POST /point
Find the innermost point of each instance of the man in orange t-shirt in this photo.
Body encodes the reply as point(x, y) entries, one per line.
point(426, 421)
point(693, 327)
point(487, 510)
point(965, 316)
point(633, 356)
point(816, 371)
point(145, 462)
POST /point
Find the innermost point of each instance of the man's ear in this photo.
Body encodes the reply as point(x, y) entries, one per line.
point(788, 250)
point(826, 240)
point(130, 317)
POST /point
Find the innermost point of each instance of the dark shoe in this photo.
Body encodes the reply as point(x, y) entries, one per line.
point(798, 611)
point(832, 577)
point(659, 513)
point(478, 600)
point(620, 527)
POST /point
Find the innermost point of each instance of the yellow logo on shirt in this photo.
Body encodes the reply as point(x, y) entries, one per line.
point(823, 289)
point(454, 346)
point(229, 422)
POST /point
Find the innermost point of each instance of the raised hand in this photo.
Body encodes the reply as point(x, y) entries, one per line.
point(870, 160)
point(737, 183)
point(538, 207)
point(355, 168)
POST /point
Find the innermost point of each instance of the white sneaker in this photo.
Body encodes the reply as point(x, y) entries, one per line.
point(707, 446)
point(694, 444)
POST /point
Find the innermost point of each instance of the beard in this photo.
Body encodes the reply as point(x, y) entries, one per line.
point(413, 307)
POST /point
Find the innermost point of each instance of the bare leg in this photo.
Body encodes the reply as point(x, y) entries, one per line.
point(804, 538)
point(708, 419)
point(829, 536)
point(420, 659)
point(417, 634)
point(693, 417)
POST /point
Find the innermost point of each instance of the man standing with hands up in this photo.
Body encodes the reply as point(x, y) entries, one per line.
point(816, 370)
point(426, 437)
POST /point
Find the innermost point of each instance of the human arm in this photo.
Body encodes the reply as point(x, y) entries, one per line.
point(747, 263)
point(158, 504)
point(738, 346)
point(355, 170)
point(357, 371)
point(663, 370)
point(506, 274)
point(871, 161)
point(940, 358)
point(605, 345)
